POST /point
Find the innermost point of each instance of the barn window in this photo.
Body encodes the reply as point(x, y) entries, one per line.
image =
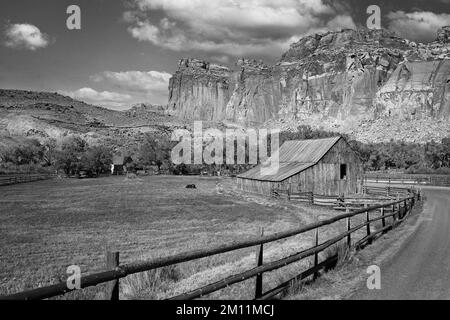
point(343, 171)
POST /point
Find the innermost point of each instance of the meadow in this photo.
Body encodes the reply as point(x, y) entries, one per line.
point(46, 226)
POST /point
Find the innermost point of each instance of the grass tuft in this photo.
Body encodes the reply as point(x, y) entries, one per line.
point(150, 284)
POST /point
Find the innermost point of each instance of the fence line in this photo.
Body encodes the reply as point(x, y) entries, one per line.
point(6, 180)
point(371, 195)
point(400, 209)
point(415, 179)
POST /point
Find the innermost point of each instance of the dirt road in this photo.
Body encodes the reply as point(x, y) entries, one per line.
point(421, 269)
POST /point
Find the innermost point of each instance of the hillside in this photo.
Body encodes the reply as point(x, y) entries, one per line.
point(44, 115)
point(353, 81)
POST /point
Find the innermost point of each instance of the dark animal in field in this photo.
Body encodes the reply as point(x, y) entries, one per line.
point(191, 186)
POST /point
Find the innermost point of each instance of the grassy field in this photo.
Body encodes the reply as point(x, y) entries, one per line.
point(48, 225)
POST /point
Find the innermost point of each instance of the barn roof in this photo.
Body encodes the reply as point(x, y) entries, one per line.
point(118, 160)
point(294, 157)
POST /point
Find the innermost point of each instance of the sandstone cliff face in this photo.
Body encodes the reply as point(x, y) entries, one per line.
point(199, 90)
point(337, 79)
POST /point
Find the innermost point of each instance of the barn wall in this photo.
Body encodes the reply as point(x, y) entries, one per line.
point(323, 178)
point(255, 186)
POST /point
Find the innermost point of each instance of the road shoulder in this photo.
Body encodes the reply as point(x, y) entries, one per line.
point(344, 282)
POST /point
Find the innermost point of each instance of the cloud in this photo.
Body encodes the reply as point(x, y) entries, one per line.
point(145, 86)
point(25, 36)
point(125, 89)
point(137, 81)
point(419, 26)
point(104, 98)
point(230, 27)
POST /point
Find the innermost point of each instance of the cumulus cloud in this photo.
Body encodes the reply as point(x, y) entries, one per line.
point(139, 81)
point(232, 27)
point(125, 88)
point(25, 36)
point(103, 98)
point(419, 26)
point(145, 86)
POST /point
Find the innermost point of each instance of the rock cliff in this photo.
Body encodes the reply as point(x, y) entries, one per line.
point(334, 80)
point(199, 90)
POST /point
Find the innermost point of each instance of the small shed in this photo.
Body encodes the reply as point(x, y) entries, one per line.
point(117, 166)
point(322, 166)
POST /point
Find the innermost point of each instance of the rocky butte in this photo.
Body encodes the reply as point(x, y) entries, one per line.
point(345, 81)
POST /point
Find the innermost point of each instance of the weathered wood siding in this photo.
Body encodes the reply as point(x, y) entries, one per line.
point(255, 186)
point(322, 178)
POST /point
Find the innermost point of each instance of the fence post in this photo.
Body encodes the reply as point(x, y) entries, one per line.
point(316, 255)
point(369, 241)
point(312, 198)
point(112, 288)
point(289, 192)
point(383, 221)
point(400, 211)
point(349, 237)
point(259, 262)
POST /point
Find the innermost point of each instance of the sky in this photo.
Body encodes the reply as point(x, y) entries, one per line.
point(126, 50)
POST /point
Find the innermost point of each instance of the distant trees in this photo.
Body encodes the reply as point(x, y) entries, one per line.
point(29, 152)
point(76, 154)
point(306, 132)
point(156, 150)
point(431, 157)
point(69, 157)
point(97, 159)
point(29, 155)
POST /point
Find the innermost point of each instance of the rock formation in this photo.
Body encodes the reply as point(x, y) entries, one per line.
point(199, 90)
point(335, 80)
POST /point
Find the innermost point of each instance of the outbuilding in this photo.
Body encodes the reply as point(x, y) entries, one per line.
point(323, 166)
point(118, 167)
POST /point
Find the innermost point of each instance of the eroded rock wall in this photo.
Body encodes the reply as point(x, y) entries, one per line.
point(340, 78)
point(199, 90)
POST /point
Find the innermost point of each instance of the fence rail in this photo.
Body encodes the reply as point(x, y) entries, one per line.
point(415, 179)
point(399, 208)
point(23, 178)
point(372, 195)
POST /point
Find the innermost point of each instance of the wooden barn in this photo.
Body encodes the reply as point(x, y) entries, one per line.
point(117, 166)
point(322, 166)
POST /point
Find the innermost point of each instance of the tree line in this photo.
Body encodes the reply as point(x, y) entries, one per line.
point(431, 157)
point(70, 156)
point(74, 154)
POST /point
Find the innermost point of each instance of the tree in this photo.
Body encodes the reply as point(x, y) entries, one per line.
point(97, 159)
point(50, 152)
point(155, 150)
point(70, 157)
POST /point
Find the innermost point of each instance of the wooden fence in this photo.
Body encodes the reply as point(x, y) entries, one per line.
point(414, 179)
point(23, 178)
point(371, 195)
point(390, 214)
